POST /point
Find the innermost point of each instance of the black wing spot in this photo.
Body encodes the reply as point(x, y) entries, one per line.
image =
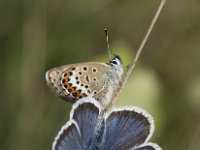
point(94, 70)
point(74, 94)
point(65, 85)
point(87, 79)
point(74, 88)
point(85, 68)
point(63, 81)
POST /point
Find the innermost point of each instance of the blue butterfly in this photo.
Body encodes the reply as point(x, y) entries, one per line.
point(92, 128)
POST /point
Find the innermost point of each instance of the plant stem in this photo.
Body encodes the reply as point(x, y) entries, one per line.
point(132, 65)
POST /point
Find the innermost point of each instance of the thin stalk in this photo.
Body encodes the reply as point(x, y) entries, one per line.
point(132, 65)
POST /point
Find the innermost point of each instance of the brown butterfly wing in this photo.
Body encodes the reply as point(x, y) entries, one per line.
point(52, 78)
point(75, 81)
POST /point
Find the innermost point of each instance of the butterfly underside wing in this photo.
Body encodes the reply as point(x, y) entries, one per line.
point(91, 79)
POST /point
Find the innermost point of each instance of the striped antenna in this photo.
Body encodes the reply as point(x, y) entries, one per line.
point(107, 42)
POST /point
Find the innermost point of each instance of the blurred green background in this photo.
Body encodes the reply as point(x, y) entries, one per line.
point(37, 35)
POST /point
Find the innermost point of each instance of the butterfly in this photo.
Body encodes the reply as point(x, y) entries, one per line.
point(92, 128)
point(90, 79)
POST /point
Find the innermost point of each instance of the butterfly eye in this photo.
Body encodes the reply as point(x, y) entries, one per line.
point(114, 62)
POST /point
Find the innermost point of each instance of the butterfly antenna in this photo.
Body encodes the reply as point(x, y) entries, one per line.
point(107, 42)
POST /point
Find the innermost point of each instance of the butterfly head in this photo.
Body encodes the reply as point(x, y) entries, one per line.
point(117, 65)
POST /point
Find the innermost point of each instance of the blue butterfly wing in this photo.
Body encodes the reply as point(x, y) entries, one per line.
point(86, 113)
point(150, 146)
point(68, 138)
point(126, 128)
point(145, 148)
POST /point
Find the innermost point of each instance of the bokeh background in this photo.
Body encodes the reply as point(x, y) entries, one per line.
point(37, 35)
